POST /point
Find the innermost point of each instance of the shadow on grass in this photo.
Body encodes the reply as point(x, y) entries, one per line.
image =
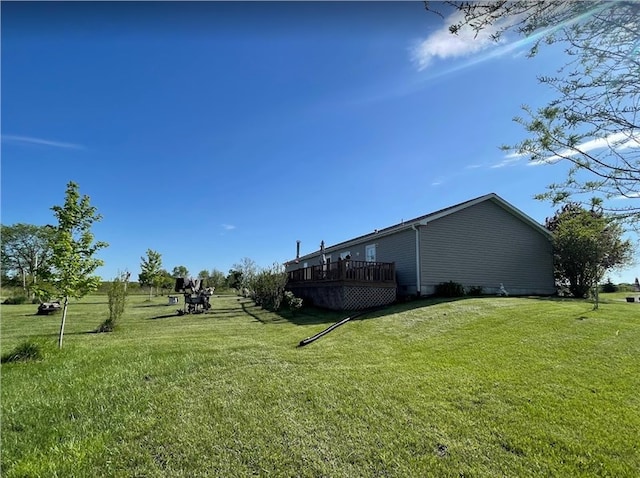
point(310, 315)
point(150, 305)
point(166, 316)
point(313, 315)
point(246, 310)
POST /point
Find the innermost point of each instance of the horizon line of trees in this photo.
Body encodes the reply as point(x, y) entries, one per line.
point(588, 246)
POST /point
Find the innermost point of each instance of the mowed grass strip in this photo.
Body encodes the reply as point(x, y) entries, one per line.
point(473, 387)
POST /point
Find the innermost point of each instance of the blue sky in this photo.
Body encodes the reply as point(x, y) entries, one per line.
point(213, 131)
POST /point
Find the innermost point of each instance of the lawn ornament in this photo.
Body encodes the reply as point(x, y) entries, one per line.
point(196, 297)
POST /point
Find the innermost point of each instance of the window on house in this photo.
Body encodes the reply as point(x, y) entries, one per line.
point(343, 255)
point(370, 253)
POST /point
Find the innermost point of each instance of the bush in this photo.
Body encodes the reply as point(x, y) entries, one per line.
point(294, 303)
point(609, 286)
point(626, 288)
point(27, 351)
point(475, 290)
point(267, 287)
point(17, 300)
point(106, 326)
point(117, 294)
point(449, 289)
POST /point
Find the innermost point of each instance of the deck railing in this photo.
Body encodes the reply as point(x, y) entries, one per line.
point(347, 270)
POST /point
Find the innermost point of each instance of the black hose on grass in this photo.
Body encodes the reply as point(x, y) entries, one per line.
point(313, 338)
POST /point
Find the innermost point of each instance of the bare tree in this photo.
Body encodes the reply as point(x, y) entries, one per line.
point(593, 122)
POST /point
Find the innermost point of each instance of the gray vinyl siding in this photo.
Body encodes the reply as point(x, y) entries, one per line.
point(485, 245)
point(401, 249)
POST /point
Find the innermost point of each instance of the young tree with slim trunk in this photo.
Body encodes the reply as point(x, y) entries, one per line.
point(73, 249)
point(150, 270)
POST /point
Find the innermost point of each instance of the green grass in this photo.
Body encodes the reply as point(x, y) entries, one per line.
point(477, 387)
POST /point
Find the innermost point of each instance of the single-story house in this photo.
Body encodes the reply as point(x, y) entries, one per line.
point(484, 242)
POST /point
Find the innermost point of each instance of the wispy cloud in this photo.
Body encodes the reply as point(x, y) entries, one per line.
point(441, 44)
point(480, 47)
point(228, 227)
point(617, 141)
point(509, 160)
point(30, 140)
point(629, 196)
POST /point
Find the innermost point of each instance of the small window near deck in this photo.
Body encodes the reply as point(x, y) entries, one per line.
point(370, 253)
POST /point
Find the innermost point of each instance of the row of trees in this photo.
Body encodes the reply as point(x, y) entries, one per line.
point(266, 286)
point(59, 260)
point(587, 244)
point(153, 275)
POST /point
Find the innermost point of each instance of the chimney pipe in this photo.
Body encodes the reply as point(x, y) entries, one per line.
point(297, 249)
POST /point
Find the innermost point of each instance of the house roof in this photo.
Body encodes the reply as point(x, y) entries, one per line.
point(424, 220)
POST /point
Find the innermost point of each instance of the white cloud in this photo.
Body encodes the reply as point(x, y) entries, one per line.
point(515, 155)
point(629, 196)
point(442, 44)
point(437, 182)
point(509, 160)
point(617, 141)
point(228, 227)
point(8, 138)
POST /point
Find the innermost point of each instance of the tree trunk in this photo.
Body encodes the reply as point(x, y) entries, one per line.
point(64, 318)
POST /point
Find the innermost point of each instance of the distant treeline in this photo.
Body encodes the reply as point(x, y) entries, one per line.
point(134, 288)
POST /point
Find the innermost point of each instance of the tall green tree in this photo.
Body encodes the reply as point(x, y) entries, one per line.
point(217, 279)
point(592, 122)
point(180, 271)
point(26, 253)
point(203, 275)
point(73, 249)
point(150, 270)
point(165, 281)
point(587, 244)
point(234, 279)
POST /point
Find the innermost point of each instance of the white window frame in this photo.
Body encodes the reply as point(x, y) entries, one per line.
point(368, 256)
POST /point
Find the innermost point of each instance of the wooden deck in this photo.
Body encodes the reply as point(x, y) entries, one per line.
point(345, 271)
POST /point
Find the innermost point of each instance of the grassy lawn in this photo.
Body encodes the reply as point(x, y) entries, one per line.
point(477, 387)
